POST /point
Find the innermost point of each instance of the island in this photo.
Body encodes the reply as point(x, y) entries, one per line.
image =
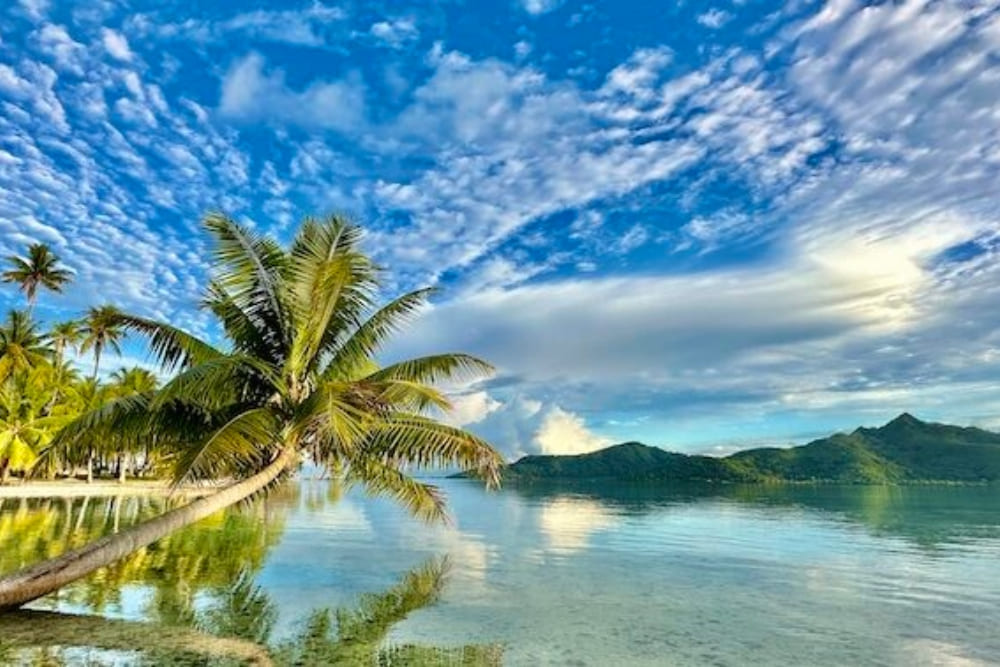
point(906, 450)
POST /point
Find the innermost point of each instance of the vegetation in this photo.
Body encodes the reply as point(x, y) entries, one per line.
point(298, 377)
point(39, 269)
point(904, 450)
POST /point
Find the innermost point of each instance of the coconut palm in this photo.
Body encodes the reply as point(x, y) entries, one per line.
point(22, 347)
point(127, 382)
point(64, 336)
point(102, 328)
point(26, 427)
point(40, 268)
point(298, 378)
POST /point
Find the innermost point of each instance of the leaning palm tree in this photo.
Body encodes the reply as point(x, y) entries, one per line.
point(40, 268)
point(102, 328)
point(299, 378)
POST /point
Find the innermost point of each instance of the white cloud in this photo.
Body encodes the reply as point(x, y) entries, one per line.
point(396, 32)
point(714, 18)
point(563, 432)
point(316, 26)
point(67, 53)
point(540, 6)
point(251, 93)
point(471, 408)
point(35, 9)
point(116, 44)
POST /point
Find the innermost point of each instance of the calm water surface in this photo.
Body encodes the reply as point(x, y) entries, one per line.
point(798, 575)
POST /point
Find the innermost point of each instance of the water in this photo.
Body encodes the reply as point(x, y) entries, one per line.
point(588, 576)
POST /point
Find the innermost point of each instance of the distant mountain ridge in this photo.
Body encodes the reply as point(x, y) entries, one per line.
point(904, 450)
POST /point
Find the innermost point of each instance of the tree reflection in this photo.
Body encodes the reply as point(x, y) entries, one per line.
point(236, 629)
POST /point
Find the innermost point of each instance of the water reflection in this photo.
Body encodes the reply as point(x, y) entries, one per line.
point(928, 515)
point(236, 628)
point(171, 572)
point(559, 575)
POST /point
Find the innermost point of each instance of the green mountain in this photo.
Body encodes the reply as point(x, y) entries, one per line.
point(904, 450)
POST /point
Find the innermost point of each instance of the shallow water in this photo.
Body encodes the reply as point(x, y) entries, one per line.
point(610, 576)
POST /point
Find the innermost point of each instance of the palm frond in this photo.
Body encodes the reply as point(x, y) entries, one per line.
point(414, 440)
point(219, 382)
point(424, 501)
point(250, 270)
point(353, 354)
point(245, 334)
point(406, 396)
point(124, 418)
point(242, 443)
point(330, 282)
point(172, 347)
point(433, 368)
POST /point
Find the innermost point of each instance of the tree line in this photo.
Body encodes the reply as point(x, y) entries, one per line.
point(42, 389)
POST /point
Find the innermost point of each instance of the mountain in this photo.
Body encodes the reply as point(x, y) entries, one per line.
point(904, 450)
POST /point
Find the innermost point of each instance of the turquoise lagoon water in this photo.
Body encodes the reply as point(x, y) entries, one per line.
point(585, 576)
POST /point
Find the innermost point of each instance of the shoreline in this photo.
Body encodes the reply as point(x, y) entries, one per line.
point(103, 488)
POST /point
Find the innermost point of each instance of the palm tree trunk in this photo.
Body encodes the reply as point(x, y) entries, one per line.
point(39, 580)
point(97, 360)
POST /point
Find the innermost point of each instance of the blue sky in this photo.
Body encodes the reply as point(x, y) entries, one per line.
point(701, 225)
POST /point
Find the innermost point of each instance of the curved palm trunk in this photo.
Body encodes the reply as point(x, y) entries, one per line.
point(48, 576)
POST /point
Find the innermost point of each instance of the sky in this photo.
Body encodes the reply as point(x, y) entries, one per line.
point(702, 225)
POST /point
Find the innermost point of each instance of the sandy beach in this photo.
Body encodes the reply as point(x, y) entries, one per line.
point(81, 489)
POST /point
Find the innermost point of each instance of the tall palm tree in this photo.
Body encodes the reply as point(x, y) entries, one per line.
point(102, 328)
point(22, 347)
point(298, 378)
point(135, 380)
point(130, 382)
point(41, 268)
point(63, 336)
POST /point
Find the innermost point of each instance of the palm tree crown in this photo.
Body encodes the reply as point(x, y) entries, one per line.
point(101, 329)
point(63, 336)
point(41, 268)
point(22, 347)
point(300, 374)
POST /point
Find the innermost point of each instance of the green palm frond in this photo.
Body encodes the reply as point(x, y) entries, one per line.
point(110, 425)
point(406, 396)
point(414, 440)
point(249, 269)
point(352, 356)
point(336, 413)
point(234, 447)
point(330, 283)
point(423, 500)
point(171, 347)
point(218, 382)
point(434, 368)
point(243, 331)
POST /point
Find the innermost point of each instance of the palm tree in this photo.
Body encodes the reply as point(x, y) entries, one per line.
point(22, 347)
point(130, 382)
point(102, 328)
point(25, 426)
point(298, 378)
point(39, 269)
point(63, 336)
